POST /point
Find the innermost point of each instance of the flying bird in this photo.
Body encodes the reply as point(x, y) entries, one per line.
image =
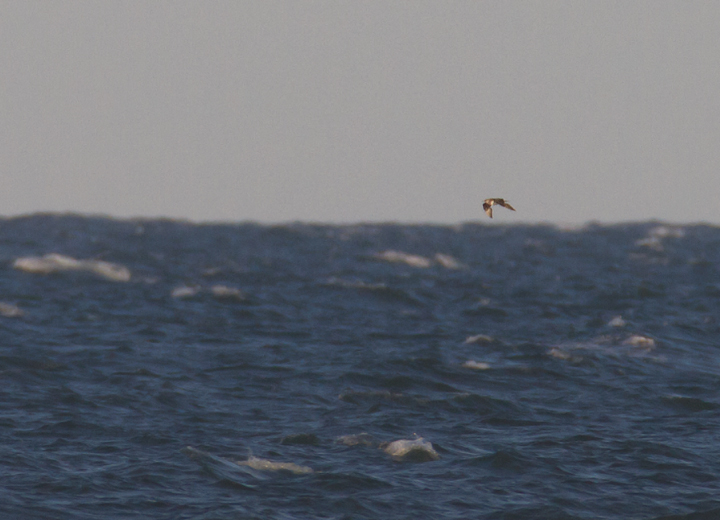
point(489, 203)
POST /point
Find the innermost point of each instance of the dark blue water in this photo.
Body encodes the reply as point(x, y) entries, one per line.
point(549, 374)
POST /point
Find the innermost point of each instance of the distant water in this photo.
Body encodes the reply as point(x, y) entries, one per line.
point(480, 371)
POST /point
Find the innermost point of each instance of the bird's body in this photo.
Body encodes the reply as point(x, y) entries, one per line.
point(489, 203)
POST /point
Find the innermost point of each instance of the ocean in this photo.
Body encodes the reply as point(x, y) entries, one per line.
point(162, 369)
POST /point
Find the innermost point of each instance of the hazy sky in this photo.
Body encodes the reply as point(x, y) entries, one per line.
point(343, 111)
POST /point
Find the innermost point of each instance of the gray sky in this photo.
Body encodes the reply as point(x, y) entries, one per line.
point(343, 111)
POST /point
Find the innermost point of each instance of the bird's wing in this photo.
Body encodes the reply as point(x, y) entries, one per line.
point(508, 206)
point(488, 209)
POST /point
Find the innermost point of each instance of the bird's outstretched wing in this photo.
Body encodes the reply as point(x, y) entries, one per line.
point(488, 209)
point(507, 205)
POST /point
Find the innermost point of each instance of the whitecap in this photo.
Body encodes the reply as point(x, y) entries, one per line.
point(667, 232)
point(185, 291)
point(224, 468)
point(653, 243)
point(617, 321)
point(108, 270)
point(561, 354)
point(254, 466)
point(634, 345)
point(268, 465)
point(223, 292)
point(405, 258)
point(448, 261)
point(415, 450)
point(350, 284)
point(360, 439)
point(479, 338)
point(640, 341)
point(53, 262)
point(475, 365)
point(10, 311)
point(657, 234)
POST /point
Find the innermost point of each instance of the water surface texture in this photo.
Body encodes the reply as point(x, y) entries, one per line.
point(161, 369)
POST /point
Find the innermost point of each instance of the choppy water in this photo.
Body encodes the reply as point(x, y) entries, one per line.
point(533, 372)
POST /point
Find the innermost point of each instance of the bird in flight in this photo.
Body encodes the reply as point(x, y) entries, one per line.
point(489, 203)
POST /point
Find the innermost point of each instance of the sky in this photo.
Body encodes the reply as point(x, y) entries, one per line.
point(346, 111)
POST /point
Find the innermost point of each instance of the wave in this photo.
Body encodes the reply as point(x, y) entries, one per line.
point(253, 466)
point(422, 262)
point(219, 292)
point(54, 263)
point(413, 450)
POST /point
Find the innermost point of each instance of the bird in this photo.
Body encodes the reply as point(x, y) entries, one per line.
point(489, 203)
